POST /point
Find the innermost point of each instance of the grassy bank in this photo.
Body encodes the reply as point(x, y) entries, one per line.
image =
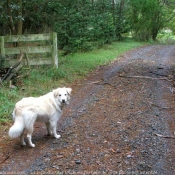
point(71, 67)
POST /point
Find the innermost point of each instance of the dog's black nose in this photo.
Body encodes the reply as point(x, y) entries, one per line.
point(63, 101)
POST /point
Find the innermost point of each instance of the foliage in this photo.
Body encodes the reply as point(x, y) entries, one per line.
point(166, 37)
point(148, 17)
point(83, 25)
point(169, 15)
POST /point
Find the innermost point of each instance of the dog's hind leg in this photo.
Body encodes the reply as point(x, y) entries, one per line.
point(22, 139)
point(49, 132)
point(30, 119)
point(29, 138)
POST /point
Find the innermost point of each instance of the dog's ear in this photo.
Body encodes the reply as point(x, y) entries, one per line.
point(56, 92)
point(69, 90)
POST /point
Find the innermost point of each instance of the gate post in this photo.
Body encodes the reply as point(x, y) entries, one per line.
point(54, 52)
point(2, 49)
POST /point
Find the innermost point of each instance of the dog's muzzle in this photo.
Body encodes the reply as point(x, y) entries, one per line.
point(63, 101)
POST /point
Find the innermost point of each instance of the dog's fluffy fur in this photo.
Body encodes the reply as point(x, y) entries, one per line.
point(46, 108)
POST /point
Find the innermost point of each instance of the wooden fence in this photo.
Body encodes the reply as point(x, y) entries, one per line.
point(45, 53)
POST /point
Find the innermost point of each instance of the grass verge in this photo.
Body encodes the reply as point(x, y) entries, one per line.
point(71, 67)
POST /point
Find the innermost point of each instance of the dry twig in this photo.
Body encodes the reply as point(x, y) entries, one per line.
point(95, 82)
point(102, 82)
point(8, 155)
point(147, 77)
point(168, 137)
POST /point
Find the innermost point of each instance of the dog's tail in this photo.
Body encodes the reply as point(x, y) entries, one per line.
point(17, 128)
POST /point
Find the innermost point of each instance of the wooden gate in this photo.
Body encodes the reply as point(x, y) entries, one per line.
point(41, 48)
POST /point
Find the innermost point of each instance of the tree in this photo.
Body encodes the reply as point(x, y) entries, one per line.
point(14, 16)
point(20, 18)
point(148, 17)
point(169, 11)
point(85, 24)
point(120, 20)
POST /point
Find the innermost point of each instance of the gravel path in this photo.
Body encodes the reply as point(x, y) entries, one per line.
point(115, 123)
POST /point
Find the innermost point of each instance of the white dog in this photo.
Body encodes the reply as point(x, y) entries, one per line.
point(46, 108)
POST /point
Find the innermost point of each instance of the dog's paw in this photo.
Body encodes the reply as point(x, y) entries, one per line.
point(23, 144)
point(48, 134)
point(32, 145)
point(57, 136)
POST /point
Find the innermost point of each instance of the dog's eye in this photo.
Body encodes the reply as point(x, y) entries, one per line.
point(60, 95)
point(65, 94)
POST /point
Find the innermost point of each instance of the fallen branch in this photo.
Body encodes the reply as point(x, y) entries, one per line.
point(10, 153)
point(147, 77)
point(157, 74)
point(95, 82)
point(169, 137)
point(171, 89)
point(5, 158)
point(158, 106)
point(102, 82)
point(108, 83)
point(9, 73)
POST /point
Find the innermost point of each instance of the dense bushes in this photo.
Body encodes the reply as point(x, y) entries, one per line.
point(80, 24)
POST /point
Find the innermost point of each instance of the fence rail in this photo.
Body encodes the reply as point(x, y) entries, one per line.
point(50, 47)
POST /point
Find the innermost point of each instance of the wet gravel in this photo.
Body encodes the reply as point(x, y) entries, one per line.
point(111, 124)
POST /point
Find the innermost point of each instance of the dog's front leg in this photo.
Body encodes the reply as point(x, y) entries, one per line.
point(54, 130)
point(57, 136)
point(53, 125)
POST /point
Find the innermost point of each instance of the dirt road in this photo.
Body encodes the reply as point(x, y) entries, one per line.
point(114, 124)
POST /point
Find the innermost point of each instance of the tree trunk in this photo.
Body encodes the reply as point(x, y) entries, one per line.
point(19, 25)
point(119, 20)
point(154, 34)
point(10, 18)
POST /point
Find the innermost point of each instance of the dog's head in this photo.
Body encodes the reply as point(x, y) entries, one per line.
point(62, 95)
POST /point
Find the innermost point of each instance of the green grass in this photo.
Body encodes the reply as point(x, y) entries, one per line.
point(7, 100)
point(71, 67)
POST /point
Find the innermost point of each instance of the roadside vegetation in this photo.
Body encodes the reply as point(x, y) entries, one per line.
point(72, 67)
